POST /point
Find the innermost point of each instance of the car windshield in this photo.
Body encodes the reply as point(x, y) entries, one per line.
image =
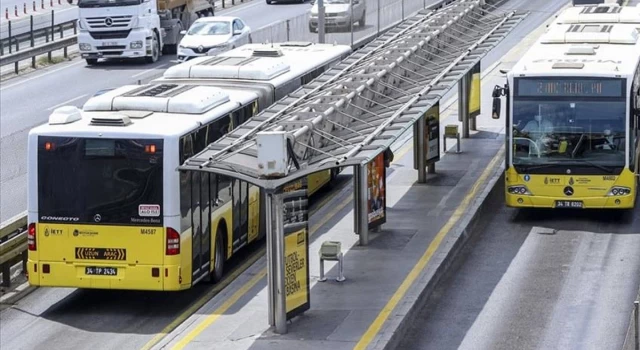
point(569, 123)
point(210, 28)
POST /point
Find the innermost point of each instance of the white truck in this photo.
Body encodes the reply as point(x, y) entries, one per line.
point(135, 28)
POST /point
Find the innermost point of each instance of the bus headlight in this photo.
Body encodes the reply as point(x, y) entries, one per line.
point(619, 191)
point(521, 190)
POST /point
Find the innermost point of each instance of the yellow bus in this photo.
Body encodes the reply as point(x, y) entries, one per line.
point(572, 115)
point(107, 208)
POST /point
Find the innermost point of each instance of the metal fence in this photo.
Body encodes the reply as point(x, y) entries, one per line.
point(380, 14)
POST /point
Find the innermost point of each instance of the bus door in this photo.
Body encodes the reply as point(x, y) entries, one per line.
point(240, 213)
point(200, 233)
point(205, 216)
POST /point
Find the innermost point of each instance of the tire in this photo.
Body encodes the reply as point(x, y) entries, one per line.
point(91, 61)
point(155, 50)
point(218, 261)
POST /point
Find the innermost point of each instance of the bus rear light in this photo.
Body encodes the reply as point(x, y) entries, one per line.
point(31, 236)
point(173, 242)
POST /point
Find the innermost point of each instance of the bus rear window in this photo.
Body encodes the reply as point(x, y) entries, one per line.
point(100, 181)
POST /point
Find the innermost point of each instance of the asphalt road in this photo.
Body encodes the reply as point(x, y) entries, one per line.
point(27, 101)
point(521, 285)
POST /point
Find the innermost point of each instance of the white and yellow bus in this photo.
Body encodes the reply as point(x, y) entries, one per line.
point(572, 113)
point(107, 208)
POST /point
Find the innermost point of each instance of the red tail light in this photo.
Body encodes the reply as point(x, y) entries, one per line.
point(173, 242)
point(31, 236)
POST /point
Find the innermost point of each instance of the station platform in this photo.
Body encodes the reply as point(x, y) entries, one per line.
point(425, 224)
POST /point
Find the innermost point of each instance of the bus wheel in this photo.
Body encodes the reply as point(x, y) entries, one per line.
point(218, 263)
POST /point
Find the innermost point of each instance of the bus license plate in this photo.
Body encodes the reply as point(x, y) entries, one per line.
point(568, 204)
point(100, 271)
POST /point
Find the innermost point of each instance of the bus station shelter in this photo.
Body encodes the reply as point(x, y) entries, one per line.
point(349, 117)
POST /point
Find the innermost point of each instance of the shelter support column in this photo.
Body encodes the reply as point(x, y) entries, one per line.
point(279, 296)
point(463, 104)
point(270, 256)
point(361, 209)
point(275, 263)
point(419, 154)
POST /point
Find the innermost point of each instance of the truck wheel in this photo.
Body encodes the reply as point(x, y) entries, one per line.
point(155, 50)
point(91, 61)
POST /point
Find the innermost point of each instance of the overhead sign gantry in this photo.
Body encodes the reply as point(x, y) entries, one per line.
point(350, 116)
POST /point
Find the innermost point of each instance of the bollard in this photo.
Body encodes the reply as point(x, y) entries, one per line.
point(34, 5)
point(42, 4)
point(16, 11)
point(6, 12)
point(50, 3)
point(24, 5)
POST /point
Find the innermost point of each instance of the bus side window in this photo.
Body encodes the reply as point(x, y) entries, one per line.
point(187, 147)
point(200, 139)
point(185, 200)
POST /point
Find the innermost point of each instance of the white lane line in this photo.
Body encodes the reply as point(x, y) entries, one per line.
point(41, 75)
point(65, 102)
point(149, 70)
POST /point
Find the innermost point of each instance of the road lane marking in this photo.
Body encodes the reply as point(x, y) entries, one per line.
point(384, 314)
point(40, 75)
point(150, 70)
point(65, 102)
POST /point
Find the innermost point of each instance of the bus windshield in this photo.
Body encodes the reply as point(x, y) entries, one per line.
point(100, 181)
point(569, 123)
point(107, 3)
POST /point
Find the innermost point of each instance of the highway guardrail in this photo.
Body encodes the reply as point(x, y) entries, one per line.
point(13, 246)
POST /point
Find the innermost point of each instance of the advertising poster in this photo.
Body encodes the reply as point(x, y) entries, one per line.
point(474, 91)
point(296, 247)
point(432, 134)
point(377, 197)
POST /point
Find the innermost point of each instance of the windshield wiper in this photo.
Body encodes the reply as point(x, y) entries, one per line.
point(601, 167)
point(535, 167)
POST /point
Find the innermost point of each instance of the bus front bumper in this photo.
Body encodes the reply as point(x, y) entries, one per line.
point(127, 277)
point(610, 202)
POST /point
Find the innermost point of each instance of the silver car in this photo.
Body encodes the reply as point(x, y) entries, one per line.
point(338, 14)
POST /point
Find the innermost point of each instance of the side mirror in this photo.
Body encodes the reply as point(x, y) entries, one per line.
point(237, 32)
point(497, 105)
point(183, 32)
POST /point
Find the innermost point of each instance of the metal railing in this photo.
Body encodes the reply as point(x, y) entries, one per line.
point(36, 36)
point(13, 246)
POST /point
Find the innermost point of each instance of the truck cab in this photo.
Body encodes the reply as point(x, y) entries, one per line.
point(134, 28)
